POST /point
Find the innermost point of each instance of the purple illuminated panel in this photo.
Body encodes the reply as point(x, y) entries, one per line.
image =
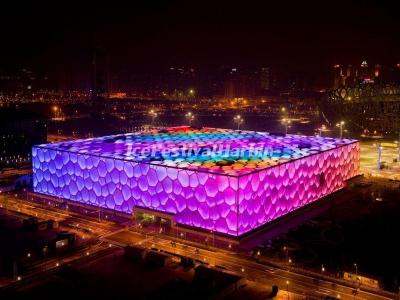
point(273, 192)
point(225, 193)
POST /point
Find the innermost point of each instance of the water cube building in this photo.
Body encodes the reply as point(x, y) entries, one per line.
point(222, 180)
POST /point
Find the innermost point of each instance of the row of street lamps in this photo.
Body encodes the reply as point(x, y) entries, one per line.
point(190, 117)
point(340, 125)
point(238, 120)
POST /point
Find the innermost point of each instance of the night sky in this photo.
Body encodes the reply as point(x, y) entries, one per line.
point(294, 36)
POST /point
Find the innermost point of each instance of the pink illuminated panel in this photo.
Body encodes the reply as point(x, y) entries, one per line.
point(271, 193)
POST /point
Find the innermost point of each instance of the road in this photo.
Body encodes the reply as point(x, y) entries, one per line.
point(85, 223)
point(42, 269)
point(119, 235)
point(298, 283)
point(87, 228)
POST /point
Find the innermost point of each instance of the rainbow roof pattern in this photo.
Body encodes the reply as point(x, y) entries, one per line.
point(212, 150)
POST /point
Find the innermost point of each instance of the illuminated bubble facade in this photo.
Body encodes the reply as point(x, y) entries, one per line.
point(216, 179)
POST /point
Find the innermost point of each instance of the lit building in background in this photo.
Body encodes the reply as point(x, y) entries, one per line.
point(337, 76)
point(353, 75)
point(239, 84)
point(19, 131)
point(265, 79)
point(222, 180)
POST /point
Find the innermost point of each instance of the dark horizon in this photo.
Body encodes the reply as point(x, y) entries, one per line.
point(57, 39)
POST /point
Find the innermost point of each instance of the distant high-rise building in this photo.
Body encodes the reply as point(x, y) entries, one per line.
point(377, 72)
point(241, 86)
point(364, 71)
point(20, 129)
point(100, 79)
point(22, 81)
point(265, 78)
point(353, 75)
point(337, 76)
point(229, 89)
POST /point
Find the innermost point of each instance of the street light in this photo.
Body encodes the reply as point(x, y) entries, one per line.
point(190, 117)
point(398, 148)
point(322, 268)
point(55, 109)
point(340, 125)
point(321, 129)
point(153, 114)
point(287, 288)
point(213, 237)
point(356, 267)
point(238, 120)
point(286, 122)
point(379, 148)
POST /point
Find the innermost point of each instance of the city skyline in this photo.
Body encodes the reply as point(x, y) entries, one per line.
point(298, 40)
